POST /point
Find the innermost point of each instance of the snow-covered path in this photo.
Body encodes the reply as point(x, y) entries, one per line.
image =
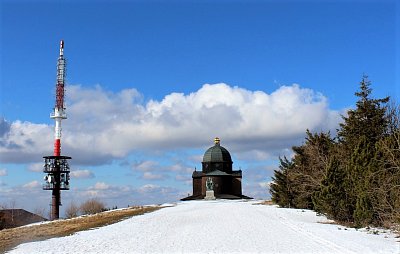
point(220, 227)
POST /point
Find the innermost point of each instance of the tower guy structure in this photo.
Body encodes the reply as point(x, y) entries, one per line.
point(56, 166)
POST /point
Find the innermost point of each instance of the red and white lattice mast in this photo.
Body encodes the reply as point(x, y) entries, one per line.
point(59, 113)
point(56, 166)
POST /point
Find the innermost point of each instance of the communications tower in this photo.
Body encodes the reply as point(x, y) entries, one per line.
point(56, 166)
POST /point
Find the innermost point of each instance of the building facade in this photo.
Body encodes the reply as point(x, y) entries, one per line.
point(217, 166)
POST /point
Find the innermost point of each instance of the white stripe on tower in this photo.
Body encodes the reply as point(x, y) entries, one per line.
point(59, 113)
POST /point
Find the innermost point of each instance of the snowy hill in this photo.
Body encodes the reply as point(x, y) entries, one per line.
point(220, 227)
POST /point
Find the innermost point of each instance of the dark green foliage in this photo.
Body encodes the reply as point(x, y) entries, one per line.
point(368, 120)
point(333, 198)
point(281, 184)
point(354, 179)
point(363, 214)
point(358, 136)
point(361, 169)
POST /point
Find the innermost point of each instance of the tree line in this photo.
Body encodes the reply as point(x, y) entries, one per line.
point(352, 177)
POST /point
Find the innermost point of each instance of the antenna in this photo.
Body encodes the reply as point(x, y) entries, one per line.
point(56, 166)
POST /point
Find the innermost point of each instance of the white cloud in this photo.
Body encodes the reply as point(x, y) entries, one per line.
point(146, 193)
point(31, 195)
point(146, 166)
point(148, 188)
point(255, 155)
point(179, 167)
point(151, 176)
point(265, 185)
point(103, 125)
point(26, 142)
point(36, 167)
point(32, 185)
point(153, 170)
point(186, 178)
point(3, 172)
point(101, 186)
point(196, 158)
point(82, 174)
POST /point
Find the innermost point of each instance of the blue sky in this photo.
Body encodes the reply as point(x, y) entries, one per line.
point(140, 112)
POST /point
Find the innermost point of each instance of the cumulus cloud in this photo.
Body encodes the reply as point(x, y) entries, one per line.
point(104, 125)
point(30, 195)
point(152, 176)
point(101, 186)
point(186, 178)
point(265, 185)
point(153, 170)
point(146, 165)
point(82, 174)
point(4, 127)
point(122, 195)
point(148, 188)
point(3, 172)
point(25, 142)
point(32, 185)
point(35, 167)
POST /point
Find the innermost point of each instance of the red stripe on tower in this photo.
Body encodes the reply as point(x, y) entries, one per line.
point(57, 147)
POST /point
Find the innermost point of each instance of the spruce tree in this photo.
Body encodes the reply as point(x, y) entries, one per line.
point(332, 198)
point(280, 189)
point(360, 170)
point(358, 135)
point(368, 119)
point(354, 178)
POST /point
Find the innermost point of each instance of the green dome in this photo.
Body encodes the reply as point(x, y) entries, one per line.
point(217, 153)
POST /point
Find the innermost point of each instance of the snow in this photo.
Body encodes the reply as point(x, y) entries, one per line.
point(221, 226)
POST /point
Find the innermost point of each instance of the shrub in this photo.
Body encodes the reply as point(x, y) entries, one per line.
point(92, 206)
point(72, 210)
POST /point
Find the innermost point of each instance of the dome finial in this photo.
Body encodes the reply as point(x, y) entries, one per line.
point(217, 140)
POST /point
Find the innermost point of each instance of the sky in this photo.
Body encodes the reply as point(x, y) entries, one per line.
point(151, 83)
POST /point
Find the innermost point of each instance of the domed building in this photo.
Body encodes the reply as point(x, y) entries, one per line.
point(217, 168)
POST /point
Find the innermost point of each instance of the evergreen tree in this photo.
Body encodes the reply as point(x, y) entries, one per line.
point(354, 178)
point(360, 169)
point(280, 189)
point(332, 198)
point(368, 119)
point(358, 136)
point(310, 161)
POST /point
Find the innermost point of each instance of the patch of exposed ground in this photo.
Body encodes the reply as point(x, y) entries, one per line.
point(10, 238)
point(265, 202)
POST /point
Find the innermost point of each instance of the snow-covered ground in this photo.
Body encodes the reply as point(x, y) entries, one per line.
point(220, 227)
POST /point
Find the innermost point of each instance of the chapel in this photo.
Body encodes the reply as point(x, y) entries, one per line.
point(217, 168)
